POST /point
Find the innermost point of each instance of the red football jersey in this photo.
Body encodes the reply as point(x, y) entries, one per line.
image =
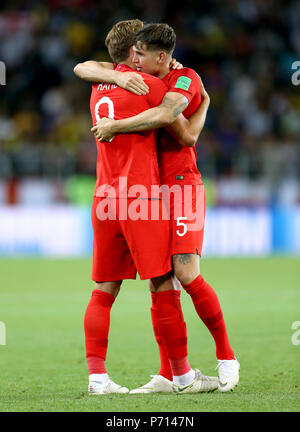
point(132, 156)
point(178, 164)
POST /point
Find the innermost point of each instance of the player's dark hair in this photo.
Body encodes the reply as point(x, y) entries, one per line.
point(156, 37)
point(121, 37)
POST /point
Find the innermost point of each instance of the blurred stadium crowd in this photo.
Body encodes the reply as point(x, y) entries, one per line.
point(242, 49)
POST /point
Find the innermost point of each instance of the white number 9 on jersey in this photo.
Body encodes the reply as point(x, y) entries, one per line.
point(111, 109)
point(181, 224)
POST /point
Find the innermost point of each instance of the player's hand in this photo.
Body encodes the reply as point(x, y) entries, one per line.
point(174, 64)
point(204, 94)
point(104, 129)
point(133, 82)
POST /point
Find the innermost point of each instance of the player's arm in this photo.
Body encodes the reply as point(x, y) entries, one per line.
point(92, 70)
point(104, 72)
point(187, 131)
point(163, 115)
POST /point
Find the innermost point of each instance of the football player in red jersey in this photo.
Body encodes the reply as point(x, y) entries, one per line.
point(123, 245)
point(154, 45)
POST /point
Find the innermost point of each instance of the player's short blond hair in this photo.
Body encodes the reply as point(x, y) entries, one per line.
point(121, 37)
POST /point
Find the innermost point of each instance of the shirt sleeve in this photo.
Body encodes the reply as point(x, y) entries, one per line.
point(185, 81)
point(157, 91)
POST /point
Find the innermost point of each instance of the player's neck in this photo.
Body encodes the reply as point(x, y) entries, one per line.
point(128, 63)
point(164, 70)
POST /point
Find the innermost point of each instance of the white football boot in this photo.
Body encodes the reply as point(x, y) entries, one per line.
point(158, 384)
point(228, 374)
point(97, 388)
point(201, 384)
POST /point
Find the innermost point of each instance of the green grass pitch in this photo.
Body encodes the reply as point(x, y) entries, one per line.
point(43, 367)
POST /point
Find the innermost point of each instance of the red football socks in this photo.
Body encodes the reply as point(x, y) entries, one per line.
point(209, 310)
point(165, 367)
point(96, 327)
point(171, 328)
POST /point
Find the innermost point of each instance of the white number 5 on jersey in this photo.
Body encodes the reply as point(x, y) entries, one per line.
point(181, 224)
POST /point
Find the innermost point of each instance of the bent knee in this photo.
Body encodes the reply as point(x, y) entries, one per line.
point(161, 283)
point(186, 267)
point(112, 288)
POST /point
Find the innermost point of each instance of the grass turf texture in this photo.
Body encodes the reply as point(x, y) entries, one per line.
point(43, 367)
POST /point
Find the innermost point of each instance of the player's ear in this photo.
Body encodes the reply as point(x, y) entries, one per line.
point(162, 57)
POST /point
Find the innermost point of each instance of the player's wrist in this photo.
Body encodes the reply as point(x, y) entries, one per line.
point(116, 127)
point(118, 78)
